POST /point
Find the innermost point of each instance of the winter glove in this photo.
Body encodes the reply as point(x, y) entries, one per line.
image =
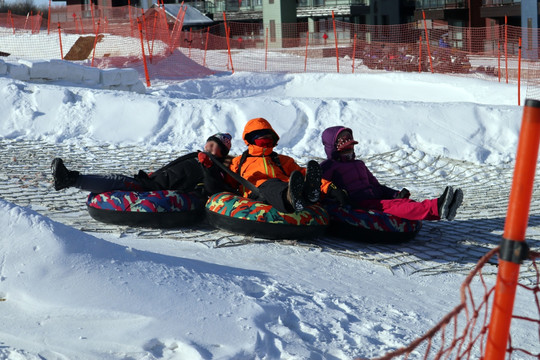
point(339, 195)
point(403, 194)
point(204, 159)
point(142, 175)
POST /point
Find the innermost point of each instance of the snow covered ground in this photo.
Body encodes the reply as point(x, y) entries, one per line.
point(72, 291)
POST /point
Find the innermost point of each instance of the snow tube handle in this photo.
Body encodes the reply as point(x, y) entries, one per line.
point(235, 176)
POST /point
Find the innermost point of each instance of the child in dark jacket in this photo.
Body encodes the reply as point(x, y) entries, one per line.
point(190, 172)
point(365, 191)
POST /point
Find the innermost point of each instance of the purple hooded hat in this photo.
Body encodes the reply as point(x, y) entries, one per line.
point(329, 137)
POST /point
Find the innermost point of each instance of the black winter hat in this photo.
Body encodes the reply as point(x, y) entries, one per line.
point(223, 140)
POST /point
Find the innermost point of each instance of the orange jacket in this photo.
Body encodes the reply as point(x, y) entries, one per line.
point(259, 167)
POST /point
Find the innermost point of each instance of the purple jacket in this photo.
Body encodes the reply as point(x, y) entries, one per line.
point(353, 175)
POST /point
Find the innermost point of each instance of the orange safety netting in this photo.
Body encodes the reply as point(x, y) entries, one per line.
point(462, 333)
point(323, 46)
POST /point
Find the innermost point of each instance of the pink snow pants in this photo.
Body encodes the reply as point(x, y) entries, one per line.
point(404, 208)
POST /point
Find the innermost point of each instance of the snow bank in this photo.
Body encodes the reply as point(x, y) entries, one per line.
point(182, 115)
point(72, 74)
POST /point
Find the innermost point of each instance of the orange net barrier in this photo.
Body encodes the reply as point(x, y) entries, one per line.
point(462, 333)
point(175, 51)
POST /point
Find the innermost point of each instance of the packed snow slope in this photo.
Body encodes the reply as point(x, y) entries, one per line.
point(74, 295)
point(462, 118)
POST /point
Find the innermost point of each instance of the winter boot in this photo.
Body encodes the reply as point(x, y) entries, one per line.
point(63, 177)
point(457, 199)
point(444, 201)
point(312, 183)
point(294, 192)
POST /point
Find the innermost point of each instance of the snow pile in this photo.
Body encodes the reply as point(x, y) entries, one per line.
point(384, 111)
point(72, 74)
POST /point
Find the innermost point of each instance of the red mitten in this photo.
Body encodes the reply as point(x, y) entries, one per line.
point(204, 159)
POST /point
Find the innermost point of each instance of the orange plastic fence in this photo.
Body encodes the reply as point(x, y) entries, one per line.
point(462, 333)
point(324, 46)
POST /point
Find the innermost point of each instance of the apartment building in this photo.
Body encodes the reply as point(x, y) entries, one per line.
point(375, 12)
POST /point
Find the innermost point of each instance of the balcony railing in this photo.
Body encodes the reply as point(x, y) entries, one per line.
point(499, 2)
point(256, 5)
point(441, 4)
point(316, 3)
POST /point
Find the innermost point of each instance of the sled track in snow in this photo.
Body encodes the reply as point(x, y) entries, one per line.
point(439, 247)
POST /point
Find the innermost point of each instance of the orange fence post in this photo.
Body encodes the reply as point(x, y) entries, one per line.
point(130, 19)
point(499, 59)
point(266, 50)
point(49, 19)
point(82, 28)
point(92, 13)
point(506, 45)
point(12, 23)
point(139, 25)
point(182, 19)
point(336, 41)
point(427, 41)
point(228, 40)
point(307, 43)
point(206, 45)
point(176, 21)
point(145, 24)
point(513, 246)
point(353, 52)
point(151, 49)
point(189, 43)
point(519, 73)
point(60, 39)
point(95, 43)
point(420, 55)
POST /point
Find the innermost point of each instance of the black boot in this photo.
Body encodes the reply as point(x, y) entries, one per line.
point(444, 201)
point(457, 199)
point(312, 183)
point(63, 178)
point(294, 192)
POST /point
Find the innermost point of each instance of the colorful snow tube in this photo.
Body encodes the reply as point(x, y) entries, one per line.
point(370, 226)
point(156, 209)
point(245, 216)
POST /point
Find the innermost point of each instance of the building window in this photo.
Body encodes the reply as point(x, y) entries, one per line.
point(272, 30)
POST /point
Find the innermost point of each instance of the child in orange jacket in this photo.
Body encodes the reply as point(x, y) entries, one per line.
point(281, 182)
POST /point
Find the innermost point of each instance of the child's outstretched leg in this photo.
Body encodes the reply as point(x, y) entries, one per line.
point(457, 199)
point(110, 182)
point(312, 183)
point(295, 191)
point(444, 201)
point(63, 178)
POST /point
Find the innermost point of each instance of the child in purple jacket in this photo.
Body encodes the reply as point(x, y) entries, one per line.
point(364, 190)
